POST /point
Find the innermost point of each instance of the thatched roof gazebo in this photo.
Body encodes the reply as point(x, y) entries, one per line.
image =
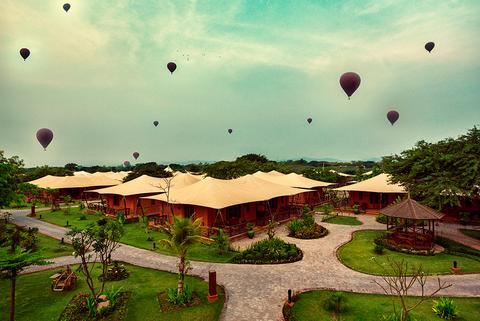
point(413, 224)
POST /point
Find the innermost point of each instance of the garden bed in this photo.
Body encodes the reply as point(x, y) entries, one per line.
point(314, 231)
point(76, 309)
point(166, 306)
point(312, 306)
point(269, 251)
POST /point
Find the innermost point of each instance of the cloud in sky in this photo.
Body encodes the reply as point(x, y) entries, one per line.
point(97, 78)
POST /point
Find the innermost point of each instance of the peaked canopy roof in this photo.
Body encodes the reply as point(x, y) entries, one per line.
point(147, 185)
point(218, 193)
point(292, 180)
point(119, 176)
point(376, 184)
point(79, 181)
point(411, 209)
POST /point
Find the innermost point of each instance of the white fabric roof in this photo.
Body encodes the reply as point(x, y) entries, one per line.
point(376, 184)
point(147, 184)
point(79, 181)
point(292, 180)
point(218, 193)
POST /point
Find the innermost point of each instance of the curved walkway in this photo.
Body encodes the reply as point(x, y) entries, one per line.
point(258, 292)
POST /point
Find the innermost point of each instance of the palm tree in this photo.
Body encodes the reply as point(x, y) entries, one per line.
point(181, 234)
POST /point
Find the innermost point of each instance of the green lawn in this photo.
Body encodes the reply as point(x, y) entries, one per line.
point(35, 300)
point(310, 307)
point(343, 220)
point(135, 235)
point(51, 247)
point(472, 233)
point(359, 255)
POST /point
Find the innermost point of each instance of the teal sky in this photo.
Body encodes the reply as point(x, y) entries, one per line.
point(97, 77)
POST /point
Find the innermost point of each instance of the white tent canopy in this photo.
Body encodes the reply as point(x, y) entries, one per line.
point(292, 180)
point(79, 181)
point(376, 184)
point(219, 193)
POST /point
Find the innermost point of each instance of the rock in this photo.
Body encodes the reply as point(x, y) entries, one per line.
point(103, 298)
point(103, 305)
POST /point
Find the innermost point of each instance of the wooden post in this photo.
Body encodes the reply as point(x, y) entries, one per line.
point(125, 206)
point(212, 286)
point(32, 211)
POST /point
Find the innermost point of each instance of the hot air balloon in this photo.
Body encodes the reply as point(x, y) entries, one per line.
point(429, 46)
point(66, 7)
point(171, 66)
point(392, 116)
point(24, 52)
point(350, 81)
point(44, 137)
point(230, 130)
point(155, 123)
point(309, 120)
point(126, 163)
point(136, 154)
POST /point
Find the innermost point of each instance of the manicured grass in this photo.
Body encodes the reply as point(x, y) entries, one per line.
point(36, 301)
point(359, 255)
point(311, 306)
point(343, 220)
point(135, 235)
point(472, 233)
point(51, 247)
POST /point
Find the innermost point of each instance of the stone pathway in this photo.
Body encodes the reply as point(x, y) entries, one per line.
point(257, 292)
point(452, 231)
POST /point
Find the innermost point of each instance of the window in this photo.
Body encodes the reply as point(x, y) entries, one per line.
point(374, 199)
point(273, 203)
point(116, 200)
point(234, 212)
point(360, 195)
point(188, 210)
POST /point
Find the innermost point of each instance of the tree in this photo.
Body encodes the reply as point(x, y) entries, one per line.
point(181, 235)
point(441, 173)
point(10, 177)
point(71, 167)
point(150, 169)
point(401, 280)
point(83, 241)
point(107, 238)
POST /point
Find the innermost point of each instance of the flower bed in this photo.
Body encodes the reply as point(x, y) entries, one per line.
point(393, 246)
point(269, 251)
point(115, 272)
point(77, 310)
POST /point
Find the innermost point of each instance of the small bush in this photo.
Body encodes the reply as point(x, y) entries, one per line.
point(81, 206)
point(222, 242)
point(336, 302)
point(445, 308)
point(294, 226)
point(356, 209)
point(269, 251)
point(185, 297)
point(381, 219)
point(82, 217)
point(112, 295)
point(378, 249)
point(327, 209)
point(121, 218)
point(116, 272)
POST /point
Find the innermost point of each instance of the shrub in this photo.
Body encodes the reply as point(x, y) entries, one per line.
point(179, 299)
point(269, 251)
point(381, 219)
point(445, 308)
point(92, 306)
point(112, 295)
point(327, 209)
point(294, 226)
point(81, 206)
point(82, 217)
point(116, 272)
point(222, 242)
point(378, 249)
point(356, 209)
point(336, 302)
point(121, 218)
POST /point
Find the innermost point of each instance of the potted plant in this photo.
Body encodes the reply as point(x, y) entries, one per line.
point(250, 231)
point(356, 209)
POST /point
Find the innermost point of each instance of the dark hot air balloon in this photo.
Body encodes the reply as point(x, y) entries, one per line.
point(44, 137)
point(230, 130)
point(24, 52)
point(350, 81)
point(392, 116)
point(171, 66)
point(309, 120)
point(66, 7)
point(155, 123)
point(126, 163)
point(429, 46)
point(136, 154)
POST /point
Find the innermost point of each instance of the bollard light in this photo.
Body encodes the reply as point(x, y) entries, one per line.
point(62, 241)
point(212, 286)
point(67, 224)
point(154, 245)
point(455, 264)
point(40, 216)
point(289, 295)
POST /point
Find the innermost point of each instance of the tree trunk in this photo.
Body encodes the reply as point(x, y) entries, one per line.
point(181, 269)
point(12, 294)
